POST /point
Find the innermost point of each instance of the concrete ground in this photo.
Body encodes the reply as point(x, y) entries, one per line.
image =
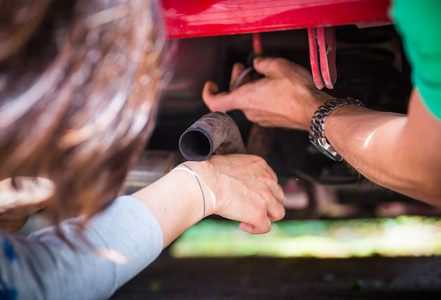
point(291, 278)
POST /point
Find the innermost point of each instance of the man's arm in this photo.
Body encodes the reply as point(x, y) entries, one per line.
point(397, 151)
point(400, 152)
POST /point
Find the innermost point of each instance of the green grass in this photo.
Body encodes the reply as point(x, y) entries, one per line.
point(402, 236)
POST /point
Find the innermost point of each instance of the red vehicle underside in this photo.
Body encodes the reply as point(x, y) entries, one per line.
point(197, 18)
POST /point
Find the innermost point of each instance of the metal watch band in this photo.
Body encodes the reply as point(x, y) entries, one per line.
point(317, 128)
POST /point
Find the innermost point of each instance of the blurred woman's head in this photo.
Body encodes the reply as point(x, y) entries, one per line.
point(79, 82)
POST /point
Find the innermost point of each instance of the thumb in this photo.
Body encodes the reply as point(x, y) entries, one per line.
point(217, 102)
point(263, 228)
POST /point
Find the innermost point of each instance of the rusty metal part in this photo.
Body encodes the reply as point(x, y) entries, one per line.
point(217, 132)
point(213, 133)
point(260, 140)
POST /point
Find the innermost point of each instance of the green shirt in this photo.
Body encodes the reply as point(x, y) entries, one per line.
point(419, 23)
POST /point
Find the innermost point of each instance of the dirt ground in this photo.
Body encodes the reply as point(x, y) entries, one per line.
point(291, 278)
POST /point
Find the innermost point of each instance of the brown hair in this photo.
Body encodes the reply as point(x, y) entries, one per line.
point(79, 82)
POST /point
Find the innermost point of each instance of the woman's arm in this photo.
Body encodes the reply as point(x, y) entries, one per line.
point(124, 239)
point(130, 234)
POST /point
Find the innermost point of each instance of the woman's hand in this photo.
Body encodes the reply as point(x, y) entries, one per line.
point(18, 203)
point(238, 187)
point(245, 189)
point(285, 97)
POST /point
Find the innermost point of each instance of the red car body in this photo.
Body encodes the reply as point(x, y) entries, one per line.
point(198, 18)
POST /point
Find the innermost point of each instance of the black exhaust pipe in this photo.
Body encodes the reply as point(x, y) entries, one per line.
point(213, 133)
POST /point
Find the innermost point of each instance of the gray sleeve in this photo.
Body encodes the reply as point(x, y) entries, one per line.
point(44, 267)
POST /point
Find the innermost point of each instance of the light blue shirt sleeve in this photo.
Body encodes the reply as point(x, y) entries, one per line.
point(44, 267)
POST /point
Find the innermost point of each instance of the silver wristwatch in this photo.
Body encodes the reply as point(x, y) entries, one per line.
point(317, 132)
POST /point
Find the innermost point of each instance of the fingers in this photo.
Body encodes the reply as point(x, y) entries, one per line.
point(211, 99)
point(253, 197)
point(210, 88)
point(238, 68)
point(218, 102)
point(227, 100)
point(270, 210)
point(209, 95)
point(273, 174)
point(271, 67)
point(262, 224)
point(276, 211)
point(278, 193)
point(248, 228)
point(222, 101)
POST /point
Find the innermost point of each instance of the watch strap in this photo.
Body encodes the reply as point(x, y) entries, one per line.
point(317, 127)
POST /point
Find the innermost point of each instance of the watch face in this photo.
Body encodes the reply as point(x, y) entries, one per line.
point(323, 151)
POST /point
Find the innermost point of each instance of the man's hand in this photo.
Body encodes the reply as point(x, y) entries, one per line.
point(18, 203)
point(285, 97)
point(393, 150)
point(245, 188)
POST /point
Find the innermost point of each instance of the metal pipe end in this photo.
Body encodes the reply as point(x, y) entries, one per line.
point(195, 145)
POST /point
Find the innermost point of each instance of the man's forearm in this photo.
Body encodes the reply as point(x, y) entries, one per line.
point(396, 151)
